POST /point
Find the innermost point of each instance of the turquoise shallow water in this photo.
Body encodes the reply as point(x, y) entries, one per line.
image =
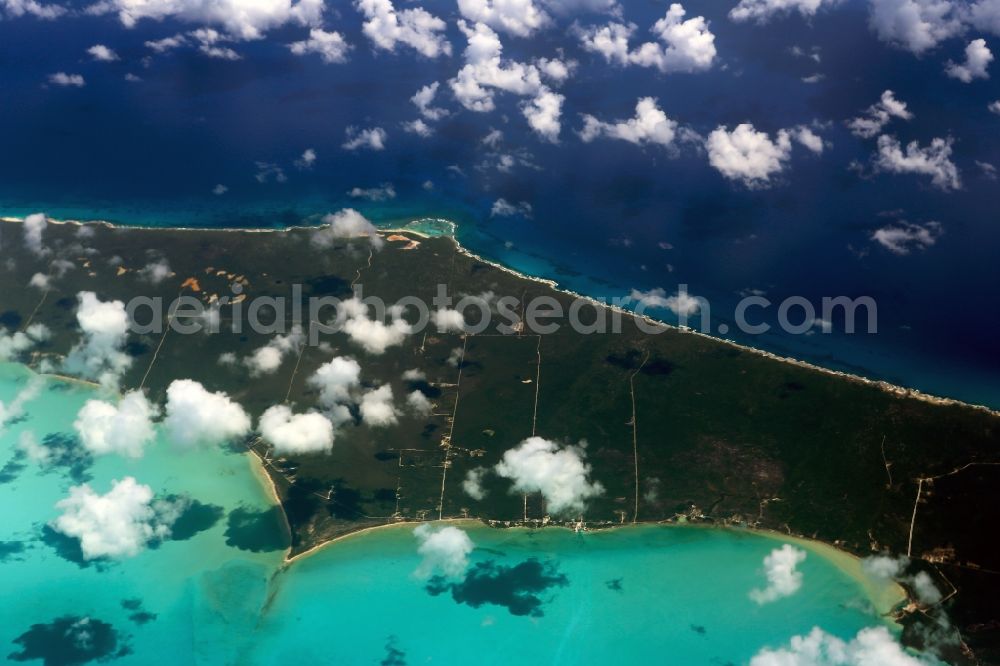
point(218, 593)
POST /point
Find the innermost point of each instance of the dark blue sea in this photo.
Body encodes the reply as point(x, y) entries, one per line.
point(607, 216)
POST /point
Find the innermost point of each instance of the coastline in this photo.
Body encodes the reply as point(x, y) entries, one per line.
point(885, 386)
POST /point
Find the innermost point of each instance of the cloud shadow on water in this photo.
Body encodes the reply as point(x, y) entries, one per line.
point(70, 640)
point(518, 588)
point(256, 531)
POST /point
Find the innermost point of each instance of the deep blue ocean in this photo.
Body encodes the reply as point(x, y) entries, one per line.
point(607, 217)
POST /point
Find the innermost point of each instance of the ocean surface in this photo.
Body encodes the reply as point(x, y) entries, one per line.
point(216, 591)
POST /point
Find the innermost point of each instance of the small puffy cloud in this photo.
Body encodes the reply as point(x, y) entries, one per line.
point(100, 355)
point(415, 375)
point(762, 11)
point(346, 223)
point(240, 19)
point(267, 359)
point(268, 171)
point(977, 58)
point(125, 428)
point(40, 281)
point(415, 27)
point(377, 409)
point(219, 190)
point(209, 43)
point(372, 335)
point(445, 551)
point(330, 46)
point(371, 139)
point(335, 380)
point(884, 567)
point(878, 115)
point(296, 434)
point(809, 139)
point(903, 237)
point(994, 107)
point(934, 160)
point(118, 524)
point(872, 646)
point(543, 113)
point(17, 8)
point(649, 126)
point(560, 474)
point(503, 208)
point(419, 403)
point(748, 155)
point(448, 320)
point(423, 99)
point(67, 80)
point(383, 192)
point(196, 416)
point(925, 589)
point(516, 17)
point(102, 53)
point(167, 43)
point(156, 272)
point(14, 409)
point(783, 577)
point(914, 25)
point(34, 227)
point(418, 127)
point(307, 160)
point(472, 484)
point(13, 345)
point(684, 46)
point(681, 304)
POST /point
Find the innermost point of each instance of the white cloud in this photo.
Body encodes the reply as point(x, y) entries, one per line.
point(267, 171)
point(486, 71)
point(34, 227)
point(977, 59)
point(307, 160)
point(330, 46)
point(219, 190)
point(167, 43)
point(267, 359)
point(503, 208)
point(100, 355)
point(126, 428)
point(872, 646)
point(423, 99)
point(196, 416)
point(516, 17)
point(543, 113)
point(809, 139)
point(15, 408)
point(934, 160)
point(445, 550)
point(377, 409)
point(418, 127)
point(684, 46)
point(884, 567)
point(419, 403)
point(156, 272)
point(985, 15)
point(296, 434)
point(346, 223)
point(472, 484)
point(335, 380)
point(904, 237)
point(208, 43)
point(447, 320)
point(383, 192)
point(748, 155)
point(783, 577)
point(914, 25)
point(372, 335)
point(13, 345)
point(372, 139)
point(67, 80)
point(649, 126)
point(560, 474)
point(40, 281)
point(415, 27)
point(119, 523)
point(763, 11)
point(17, 8)
point(681, 304)
point(878, 116)
point(102, 53)
point(239, 18)
point(927, 592)
point(415, 375)
point(994, 107)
